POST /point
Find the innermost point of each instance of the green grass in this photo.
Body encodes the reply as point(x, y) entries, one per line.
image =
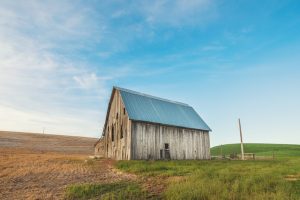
point(119, 190)
point(209, 180)
point(280, 150)
point(223, 179)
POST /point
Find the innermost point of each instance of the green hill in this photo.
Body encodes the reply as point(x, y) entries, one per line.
point(282, 150)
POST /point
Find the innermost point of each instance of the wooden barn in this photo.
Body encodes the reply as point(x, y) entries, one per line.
point(140, 126)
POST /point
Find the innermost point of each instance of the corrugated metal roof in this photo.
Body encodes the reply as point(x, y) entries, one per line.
point(143, 107)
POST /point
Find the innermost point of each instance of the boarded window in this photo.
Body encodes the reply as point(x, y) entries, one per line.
point(112, 133)
point(166, 146)
point(121, 131)
point(124, 112)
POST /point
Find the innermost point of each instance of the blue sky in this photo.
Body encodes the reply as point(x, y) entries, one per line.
point(227, 59)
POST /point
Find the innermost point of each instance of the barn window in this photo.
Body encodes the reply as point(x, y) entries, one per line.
point(121, 131)
point(166, 146)
point(124, 112)
point(112, 133)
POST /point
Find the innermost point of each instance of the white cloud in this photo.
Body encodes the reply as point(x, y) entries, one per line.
point(37, 87)
point(166, 12)
point(86, 81)
point(89, 81)
point(43, 76)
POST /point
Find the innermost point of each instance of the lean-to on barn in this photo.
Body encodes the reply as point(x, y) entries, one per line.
point(140, 126)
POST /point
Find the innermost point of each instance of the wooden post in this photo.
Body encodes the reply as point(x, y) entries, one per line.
point(241, 136)
point(221, 151)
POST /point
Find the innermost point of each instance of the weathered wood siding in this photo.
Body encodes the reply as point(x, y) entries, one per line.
point(119, 148)
point(99, 148)
point(148, 139)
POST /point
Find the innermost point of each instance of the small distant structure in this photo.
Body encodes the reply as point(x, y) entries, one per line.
point(141, 126)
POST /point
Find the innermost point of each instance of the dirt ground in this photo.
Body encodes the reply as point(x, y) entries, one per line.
point(47, 143)
point(38, 166)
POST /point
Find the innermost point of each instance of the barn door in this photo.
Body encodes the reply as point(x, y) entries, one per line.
point(165, 153)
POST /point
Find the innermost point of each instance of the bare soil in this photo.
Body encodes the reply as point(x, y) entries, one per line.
point(38, 166)
point(40, 143)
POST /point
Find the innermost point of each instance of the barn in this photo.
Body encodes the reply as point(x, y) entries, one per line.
point(140, 126)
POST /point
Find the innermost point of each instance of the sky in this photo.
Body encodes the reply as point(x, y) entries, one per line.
point(228, 59)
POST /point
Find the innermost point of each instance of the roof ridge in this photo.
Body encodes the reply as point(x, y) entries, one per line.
point(150, 96)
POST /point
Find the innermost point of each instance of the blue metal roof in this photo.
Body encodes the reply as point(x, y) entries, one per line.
point(143, 107)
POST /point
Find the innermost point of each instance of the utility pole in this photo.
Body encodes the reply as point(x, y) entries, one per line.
point(221, 151)
point(241, 136)
point(44, 130)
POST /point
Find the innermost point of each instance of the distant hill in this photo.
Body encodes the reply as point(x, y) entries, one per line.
point(47, 142)
point(283, 150)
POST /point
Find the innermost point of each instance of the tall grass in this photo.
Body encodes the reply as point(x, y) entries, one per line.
point(224, 179)
point(227, 184)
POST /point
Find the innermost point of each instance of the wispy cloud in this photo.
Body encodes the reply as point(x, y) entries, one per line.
point(59, 59)
point(40, 79)
point(179, 13)
point(90, 81)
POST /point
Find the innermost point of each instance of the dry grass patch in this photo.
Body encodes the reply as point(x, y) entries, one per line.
point(119, 190)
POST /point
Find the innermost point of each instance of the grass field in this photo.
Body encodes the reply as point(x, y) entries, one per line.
point(278, 179)
point(226, 179)
point(36, 166)
point(279, 150)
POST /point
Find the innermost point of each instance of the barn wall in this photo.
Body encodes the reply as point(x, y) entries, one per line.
point(119, 148)
point(148, 139)
point(99, 148)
